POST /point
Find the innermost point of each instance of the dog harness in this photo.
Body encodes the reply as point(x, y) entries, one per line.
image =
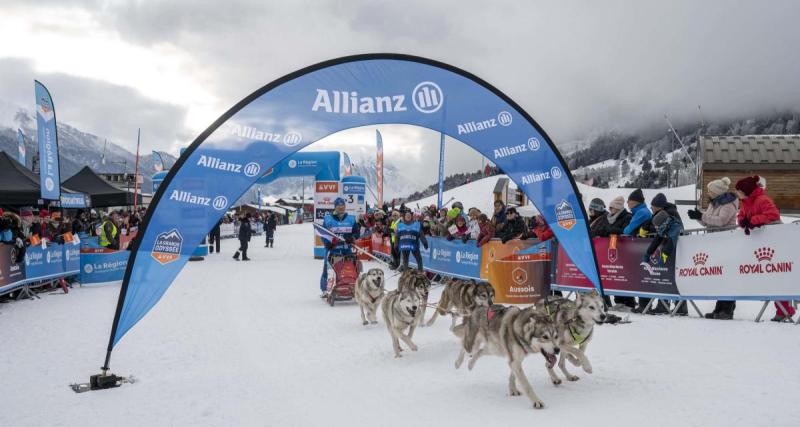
point(579, 339)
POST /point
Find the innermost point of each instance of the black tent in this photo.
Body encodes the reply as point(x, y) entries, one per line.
point(101, 192)
point(19, 186)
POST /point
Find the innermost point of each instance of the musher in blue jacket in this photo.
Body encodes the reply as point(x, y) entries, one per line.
point(410, 235)
point(345, 227)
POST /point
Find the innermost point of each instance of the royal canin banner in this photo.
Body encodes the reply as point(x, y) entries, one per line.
point(764, 265)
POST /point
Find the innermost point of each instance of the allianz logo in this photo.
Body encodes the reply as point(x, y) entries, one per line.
point(532, 145)
point(553, 173)
point(250, 170)
point(427, 97)
point(289, 139)
point(219, 203)
point(504, 118)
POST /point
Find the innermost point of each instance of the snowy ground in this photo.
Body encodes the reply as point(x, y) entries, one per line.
point(251, 344)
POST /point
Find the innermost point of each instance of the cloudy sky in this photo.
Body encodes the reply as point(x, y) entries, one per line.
point(172, 67)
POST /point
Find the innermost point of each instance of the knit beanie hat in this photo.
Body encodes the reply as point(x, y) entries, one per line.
point(748, 184)
point(719, 187)
point(637, 196)
point(660, 218)
point(597, 205)
point(617, 203)
point(660, 201)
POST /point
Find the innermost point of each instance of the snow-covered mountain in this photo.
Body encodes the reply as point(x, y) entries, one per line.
point(655, 159)
point(76, 148)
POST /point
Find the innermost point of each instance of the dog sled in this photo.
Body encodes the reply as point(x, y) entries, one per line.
point(344, 271)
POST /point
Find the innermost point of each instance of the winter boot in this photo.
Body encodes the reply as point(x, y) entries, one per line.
point(724, 315)
point(236, 256)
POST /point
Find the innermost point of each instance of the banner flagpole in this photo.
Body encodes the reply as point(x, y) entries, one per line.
point(441, 171)
point(136, 172)
point(379, 167)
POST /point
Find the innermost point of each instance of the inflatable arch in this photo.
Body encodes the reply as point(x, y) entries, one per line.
point(296, 110)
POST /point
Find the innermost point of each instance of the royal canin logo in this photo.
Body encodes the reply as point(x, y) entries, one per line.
point(700, 258)
point(701, 267)
point(764, 254)
point(764, 263)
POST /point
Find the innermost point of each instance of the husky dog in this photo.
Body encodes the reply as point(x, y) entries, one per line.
point(512, 333)
point(368, 294)
point(401, 311)
point(417, 281)
point(463, 296)
point(575, 322)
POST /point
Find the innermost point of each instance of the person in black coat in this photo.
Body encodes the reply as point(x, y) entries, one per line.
point(245, 232)
point(514, 226)
point(270, 224)
point(214, 236)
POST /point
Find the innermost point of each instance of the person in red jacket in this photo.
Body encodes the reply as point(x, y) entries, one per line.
point(757, 210)
point(487, 230)
point(540, 229)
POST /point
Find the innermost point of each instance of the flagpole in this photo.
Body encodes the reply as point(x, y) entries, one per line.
point(136, 172)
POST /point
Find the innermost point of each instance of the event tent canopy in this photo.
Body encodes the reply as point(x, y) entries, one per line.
point(101, 192)
point(19, 186)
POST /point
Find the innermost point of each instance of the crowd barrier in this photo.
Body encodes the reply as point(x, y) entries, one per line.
point(724, 265)
point(40, 264)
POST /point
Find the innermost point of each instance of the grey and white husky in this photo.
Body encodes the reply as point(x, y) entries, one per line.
point(401, 312)
point(512, 333)
point(575, 321)
point(462, 297)
point(416, 281)
point(369, 293)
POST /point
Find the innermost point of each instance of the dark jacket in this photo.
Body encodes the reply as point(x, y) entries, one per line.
point(271, 223)
point(600, 227)
point(513, 229)
point(245, 231)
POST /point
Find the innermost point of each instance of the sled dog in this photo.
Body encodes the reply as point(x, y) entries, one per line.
point(575, 322)
point(368, 294)
point(418, 282)
point(401, 312)
point(512, 333)
point(462, 296)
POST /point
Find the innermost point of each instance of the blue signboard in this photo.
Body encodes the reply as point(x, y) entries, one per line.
point(71, 258)
point(103, 267)
point(49, 172)
point(44, 263)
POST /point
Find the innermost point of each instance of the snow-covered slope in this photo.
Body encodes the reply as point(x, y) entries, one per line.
point(251, 344)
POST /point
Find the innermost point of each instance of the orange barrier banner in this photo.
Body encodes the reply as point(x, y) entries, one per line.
point(495, 250)
point(520, 279)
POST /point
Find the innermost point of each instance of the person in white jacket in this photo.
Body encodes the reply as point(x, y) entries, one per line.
point(723, 206)
point(472, 223)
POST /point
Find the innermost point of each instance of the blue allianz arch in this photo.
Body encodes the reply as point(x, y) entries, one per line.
point(305, 106)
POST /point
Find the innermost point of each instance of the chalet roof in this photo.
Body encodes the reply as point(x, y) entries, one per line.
point(751, 152)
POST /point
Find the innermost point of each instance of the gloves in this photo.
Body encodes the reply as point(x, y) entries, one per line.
point(694, 214)
point(425, 244)
point(349, 240)
point(19, 243)
point(664, 258)
point(465, 239)
point(450, 237)
point(745, 223)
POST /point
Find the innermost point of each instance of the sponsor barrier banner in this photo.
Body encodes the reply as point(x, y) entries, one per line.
point(11, 273)
point(761, 266)
point(71, 258)
point(49, 172)
point(520, 279)
point(453, 257)
point(495, 249)
point(44, 263)
point(622, 269)
point(291, 113)
point(103, 267)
